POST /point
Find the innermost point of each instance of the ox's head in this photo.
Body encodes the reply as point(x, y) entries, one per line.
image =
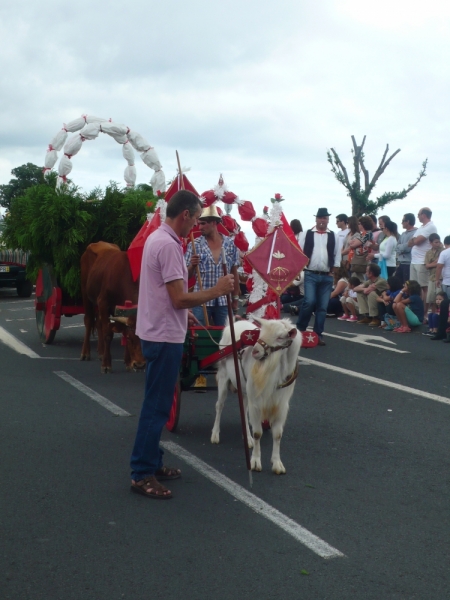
point(126, 326)
point(274, 335)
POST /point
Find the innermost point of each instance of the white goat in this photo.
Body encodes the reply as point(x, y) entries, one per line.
point(264, 368)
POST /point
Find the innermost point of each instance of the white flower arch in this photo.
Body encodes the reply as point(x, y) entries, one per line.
point(88, 128)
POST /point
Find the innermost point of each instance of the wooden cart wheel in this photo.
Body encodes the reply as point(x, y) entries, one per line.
point(47, 305)
point(172, 422)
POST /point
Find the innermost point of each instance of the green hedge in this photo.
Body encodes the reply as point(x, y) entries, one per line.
point(56, 227)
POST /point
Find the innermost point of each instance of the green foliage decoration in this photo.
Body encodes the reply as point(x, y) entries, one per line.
point(55, 227)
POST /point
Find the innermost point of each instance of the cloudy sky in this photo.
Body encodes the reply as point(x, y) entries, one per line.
point(256, 91)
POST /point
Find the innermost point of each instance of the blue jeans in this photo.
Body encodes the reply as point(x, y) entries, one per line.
point(217, 315)
point(317, 295)
point(163, 365)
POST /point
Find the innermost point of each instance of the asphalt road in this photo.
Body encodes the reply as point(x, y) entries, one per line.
point(367, 472)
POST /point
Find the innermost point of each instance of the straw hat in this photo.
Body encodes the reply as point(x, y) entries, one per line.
point(210, 213)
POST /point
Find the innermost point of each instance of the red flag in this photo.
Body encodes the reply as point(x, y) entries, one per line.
point(277, 260)
point(136, 247)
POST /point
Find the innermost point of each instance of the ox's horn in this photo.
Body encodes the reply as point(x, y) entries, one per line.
point(123, 320)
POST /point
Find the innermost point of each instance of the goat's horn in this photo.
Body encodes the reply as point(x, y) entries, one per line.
point(123, 320)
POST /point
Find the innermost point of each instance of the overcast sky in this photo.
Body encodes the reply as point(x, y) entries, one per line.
point(256, 91)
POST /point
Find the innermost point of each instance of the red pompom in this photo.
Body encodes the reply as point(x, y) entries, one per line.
point(246, 211)
point(241, 242)
point(271, 296)
point(271, 312)
point(229, 197)
point(208, 198)
point(247, 266)
point(260, 227)
point(229, 223)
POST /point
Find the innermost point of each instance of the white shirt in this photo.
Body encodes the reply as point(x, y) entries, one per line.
point(444, 259)
point(340, 235)
point(319, 257)
point(387, 250)
point(418, 252)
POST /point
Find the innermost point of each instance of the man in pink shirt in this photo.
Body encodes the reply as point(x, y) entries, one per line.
point(162, 321)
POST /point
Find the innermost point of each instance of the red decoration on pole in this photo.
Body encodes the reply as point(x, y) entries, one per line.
point(277, 260)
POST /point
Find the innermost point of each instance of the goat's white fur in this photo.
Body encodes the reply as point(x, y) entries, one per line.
point(260, 379)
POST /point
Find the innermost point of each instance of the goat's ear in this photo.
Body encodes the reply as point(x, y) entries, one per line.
point(293, 333)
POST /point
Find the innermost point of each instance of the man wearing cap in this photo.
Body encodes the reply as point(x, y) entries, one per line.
point(319, 245)
point(207, 254)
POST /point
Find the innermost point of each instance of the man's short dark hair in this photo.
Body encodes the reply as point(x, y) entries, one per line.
point(434, 236)
point(181, 201)
point(447, 240)
point(410, 218)
point(342, 217)
point(374, 269)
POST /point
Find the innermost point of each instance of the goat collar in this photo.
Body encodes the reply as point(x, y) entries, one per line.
point(289, 380)
point(270, 349)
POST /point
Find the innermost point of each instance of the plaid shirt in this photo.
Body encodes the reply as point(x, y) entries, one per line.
point(209, 270)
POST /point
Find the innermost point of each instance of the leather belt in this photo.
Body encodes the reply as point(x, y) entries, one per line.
point(318, 272)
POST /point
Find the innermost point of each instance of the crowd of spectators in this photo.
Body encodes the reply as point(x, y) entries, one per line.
point(391, 280)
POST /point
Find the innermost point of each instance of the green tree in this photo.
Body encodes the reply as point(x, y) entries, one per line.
point(360, 189)
point(25, 177)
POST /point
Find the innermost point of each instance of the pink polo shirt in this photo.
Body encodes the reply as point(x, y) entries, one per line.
point(162, 262)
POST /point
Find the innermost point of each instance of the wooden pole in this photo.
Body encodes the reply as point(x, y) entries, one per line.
point(238, 375)
point(199, 277)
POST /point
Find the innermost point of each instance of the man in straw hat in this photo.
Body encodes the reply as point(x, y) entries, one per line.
point(207, 254)
point(319, 245)
point(162, 320)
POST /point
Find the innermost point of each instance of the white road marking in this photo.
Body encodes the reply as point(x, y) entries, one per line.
point(19, 309)
point(262, 508)
point(27, 319)
point(116, 410)
point(23, 330)
point(72, 326)
point(367, 378)
point(16, 302)
point(16, 344)
point(362, 339)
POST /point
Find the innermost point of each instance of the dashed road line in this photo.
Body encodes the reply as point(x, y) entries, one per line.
point(113, 408)
point(262, 508)
point(12, 342)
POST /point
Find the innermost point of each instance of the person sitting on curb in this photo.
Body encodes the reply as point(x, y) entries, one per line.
point(408, 307)
point(442, 332)
point(368, 293)
point(349, 301)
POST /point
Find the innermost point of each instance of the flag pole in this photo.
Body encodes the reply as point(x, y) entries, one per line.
point(238, 375)
point(194, 250)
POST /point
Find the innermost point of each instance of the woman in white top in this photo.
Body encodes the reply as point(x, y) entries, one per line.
point(387, 247)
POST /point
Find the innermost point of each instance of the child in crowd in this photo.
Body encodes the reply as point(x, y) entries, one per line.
point(433, 318)
point(349, 301)
point(386, 300)
point(408, 307)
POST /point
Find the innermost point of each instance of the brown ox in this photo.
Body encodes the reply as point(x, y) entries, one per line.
point(106, 282)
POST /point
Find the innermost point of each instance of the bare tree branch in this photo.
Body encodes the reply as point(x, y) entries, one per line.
point(343, 169)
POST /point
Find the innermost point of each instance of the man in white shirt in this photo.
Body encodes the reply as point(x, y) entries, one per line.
point(319, 245)
point(420, 245)
point(341, 233)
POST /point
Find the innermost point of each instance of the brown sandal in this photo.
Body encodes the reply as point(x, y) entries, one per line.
point(151, 488)
point(166, 473)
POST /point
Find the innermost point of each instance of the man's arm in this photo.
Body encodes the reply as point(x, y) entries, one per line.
point(181, 299)
point(416, 241)
point(438, 277)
